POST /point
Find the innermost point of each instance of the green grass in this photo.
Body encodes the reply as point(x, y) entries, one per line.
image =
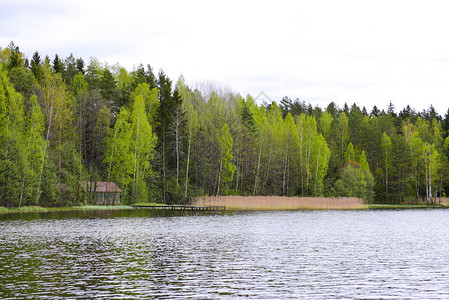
point(148, 204)
point(3, 210)
point(35, 209)
point(402, 206)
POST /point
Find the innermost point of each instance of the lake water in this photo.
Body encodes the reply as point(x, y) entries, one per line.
point(267, 255)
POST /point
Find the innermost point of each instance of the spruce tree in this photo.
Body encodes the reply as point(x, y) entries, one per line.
point(58, 65)
point(36, 68)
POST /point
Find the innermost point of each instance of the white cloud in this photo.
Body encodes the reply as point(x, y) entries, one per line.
point(322, 51)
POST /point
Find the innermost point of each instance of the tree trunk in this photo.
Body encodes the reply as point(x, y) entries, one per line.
point(177, 146)
point(258, 167)
point(163, 166)
point(219, 176)
point(187, 166)
point(386, 174)
point(316, 171)
point(136, 158)
point(45, 153)
point(430, 177)
point(26, 159)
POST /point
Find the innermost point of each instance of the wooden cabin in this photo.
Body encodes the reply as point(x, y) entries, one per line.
point(102, 192)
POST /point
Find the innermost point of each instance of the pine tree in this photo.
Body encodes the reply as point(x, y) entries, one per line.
point(80, 65)
point(107, 85)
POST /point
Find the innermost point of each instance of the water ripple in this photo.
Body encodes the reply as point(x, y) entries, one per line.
point(275, 255)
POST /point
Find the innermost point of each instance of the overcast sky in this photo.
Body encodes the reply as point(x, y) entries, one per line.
point(367, 52)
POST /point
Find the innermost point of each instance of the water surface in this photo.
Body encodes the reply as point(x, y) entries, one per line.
point(269, 255)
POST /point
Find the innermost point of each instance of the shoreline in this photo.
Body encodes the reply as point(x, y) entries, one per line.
point(39, 209)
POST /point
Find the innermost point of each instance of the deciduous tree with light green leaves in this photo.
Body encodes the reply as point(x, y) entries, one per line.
point(119, 155)
point(192, 125)
point(352, 182)
point(142, 143)
point(314, 156)
point(290, 153)
point(227, 168)
point(34, 152)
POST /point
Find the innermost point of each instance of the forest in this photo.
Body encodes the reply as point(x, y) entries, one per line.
point(65, 121)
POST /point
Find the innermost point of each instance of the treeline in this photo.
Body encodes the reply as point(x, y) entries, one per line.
point(64, 122)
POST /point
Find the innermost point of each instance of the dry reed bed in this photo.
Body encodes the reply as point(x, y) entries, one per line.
point(279, 203)
point(444, 201)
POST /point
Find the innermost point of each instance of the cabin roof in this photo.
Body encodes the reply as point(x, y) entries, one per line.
point(101, 187)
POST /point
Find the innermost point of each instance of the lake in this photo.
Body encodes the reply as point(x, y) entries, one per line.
point(209, 255)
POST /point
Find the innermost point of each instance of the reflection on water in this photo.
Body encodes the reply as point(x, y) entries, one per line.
point(165, 254)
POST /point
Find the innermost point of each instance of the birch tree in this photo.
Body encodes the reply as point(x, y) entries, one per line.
point(119, 155)
point(320, 162)
point(192, 125)
point(34, 149)
point(290, 152)
point(142, 144)
point(227, 168)
point(261, 123)
point(12, 158)
point(272, 181)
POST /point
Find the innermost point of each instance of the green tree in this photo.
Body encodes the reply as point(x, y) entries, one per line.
point(70, 69)
point(192, 124)
point(107, 85)
point(227, 168)
point(119, 155)
point(325, 125)
point(364, 166)
point(36, 68)
point(350, 153)
point(352, 182)
point(34, 152)
point(272, 182)
point(15, 59)
point(142, 144)
point(12, 154)
point(432, 165)
point(320, 162)
point(314, 155)
point(58, 65)
point(290, 152)
point(261, 123)
point(386, 148)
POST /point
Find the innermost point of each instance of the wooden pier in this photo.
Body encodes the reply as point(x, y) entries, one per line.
point(180, 207)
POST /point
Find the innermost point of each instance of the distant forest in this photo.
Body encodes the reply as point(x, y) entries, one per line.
point(64, 122)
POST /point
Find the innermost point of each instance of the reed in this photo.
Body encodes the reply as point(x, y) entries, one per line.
point(279, 203)
point(444, 200)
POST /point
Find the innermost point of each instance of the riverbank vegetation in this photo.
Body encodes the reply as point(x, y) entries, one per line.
point(65, 121)
point(39, 209)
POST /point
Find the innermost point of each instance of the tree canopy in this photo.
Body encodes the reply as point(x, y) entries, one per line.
point(64, 121)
